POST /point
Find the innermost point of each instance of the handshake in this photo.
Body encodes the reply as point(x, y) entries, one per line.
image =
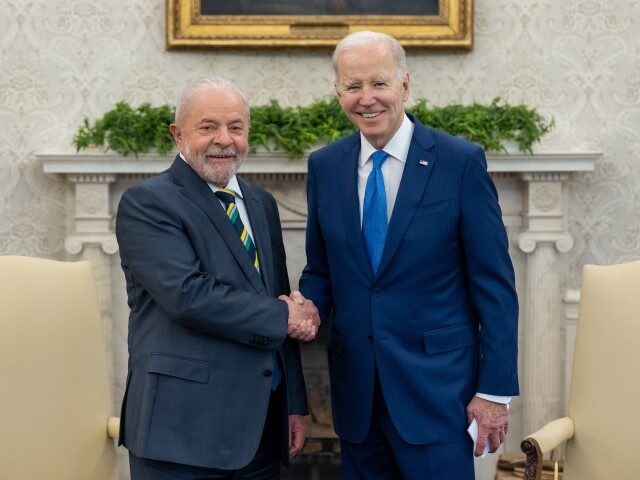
point(304, 318)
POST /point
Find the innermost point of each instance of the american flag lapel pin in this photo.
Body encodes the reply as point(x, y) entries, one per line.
point(424, 163)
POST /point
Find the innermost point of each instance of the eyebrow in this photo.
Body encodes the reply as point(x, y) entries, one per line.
point(216, 122)
point(358, 82)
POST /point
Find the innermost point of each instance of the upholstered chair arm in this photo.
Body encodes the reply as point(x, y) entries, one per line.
point(113, 427)
point(543, 441)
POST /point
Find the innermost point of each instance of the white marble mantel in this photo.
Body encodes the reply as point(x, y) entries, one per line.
point(532, 190)
point(96, 163)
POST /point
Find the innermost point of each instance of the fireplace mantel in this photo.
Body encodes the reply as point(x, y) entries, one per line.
point(276, 163)
point(532, 187)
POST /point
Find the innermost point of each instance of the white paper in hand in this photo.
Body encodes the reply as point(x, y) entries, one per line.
point(473, 432)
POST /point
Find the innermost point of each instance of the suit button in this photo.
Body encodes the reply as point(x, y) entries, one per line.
point(370, 339)
point(376, 292)
point(267, 373)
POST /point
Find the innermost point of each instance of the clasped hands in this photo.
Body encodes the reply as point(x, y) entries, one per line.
point(304, 318)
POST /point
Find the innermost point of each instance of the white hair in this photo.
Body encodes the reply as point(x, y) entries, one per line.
point(367, 39)
point(186, 98)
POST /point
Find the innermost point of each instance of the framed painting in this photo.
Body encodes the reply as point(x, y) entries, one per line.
point(316, 23)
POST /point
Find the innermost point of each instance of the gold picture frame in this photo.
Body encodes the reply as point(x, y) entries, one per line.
point(188, 27)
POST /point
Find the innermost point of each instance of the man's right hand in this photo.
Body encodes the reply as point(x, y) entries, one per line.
point(304, 318)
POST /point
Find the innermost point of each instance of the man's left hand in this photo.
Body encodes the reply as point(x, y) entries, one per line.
point(297, 434)
point(493, 423)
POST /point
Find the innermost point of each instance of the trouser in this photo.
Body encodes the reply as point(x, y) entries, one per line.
point(385, 455)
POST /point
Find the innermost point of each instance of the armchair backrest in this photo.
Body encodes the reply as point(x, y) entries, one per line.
point(54, 385)
point(605, 387)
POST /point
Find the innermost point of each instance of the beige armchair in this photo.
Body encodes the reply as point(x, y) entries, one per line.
point(55, 398)
point(602, 430)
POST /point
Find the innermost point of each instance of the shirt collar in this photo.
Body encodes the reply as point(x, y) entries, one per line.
point(397, 147)
point(232, 185)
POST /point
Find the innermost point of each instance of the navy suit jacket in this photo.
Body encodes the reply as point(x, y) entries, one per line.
point(439, 320)
point(204, 327)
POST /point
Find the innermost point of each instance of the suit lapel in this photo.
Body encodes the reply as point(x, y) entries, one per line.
point(350, 204)
point(420, 162)
point(197, 190)
point(260, 228)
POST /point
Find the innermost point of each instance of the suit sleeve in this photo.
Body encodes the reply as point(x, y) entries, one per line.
point(491, 279)
point(315, 282)
point(159, 259)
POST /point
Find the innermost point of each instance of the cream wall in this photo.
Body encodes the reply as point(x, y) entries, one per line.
point(575, 60)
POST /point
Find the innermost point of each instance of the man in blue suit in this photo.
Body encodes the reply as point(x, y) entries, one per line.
point(407, 254)
point(215, 387)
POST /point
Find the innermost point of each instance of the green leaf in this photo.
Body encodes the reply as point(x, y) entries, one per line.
point(295, 130)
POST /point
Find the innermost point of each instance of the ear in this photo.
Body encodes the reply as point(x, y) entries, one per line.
point(335, 85)
point(405, 88)
point(177, 135)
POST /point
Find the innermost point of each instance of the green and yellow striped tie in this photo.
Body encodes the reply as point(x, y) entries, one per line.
point(228, 198)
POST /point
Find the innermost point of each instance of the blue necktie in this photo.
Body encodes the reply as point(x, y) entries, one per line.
point(374, 214)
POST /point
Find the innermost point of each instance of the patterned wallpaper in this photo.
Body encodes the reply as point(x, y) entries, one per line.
point(575, 60)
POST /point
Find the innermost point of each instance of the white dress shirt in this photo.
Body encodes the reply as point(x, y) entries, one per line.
point(392, 169)
point(235, 188)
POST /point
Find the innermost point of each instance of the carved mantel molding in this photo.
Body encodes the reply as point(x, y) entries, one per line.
point(276, 163)
point(285, 177)
point(542, 184)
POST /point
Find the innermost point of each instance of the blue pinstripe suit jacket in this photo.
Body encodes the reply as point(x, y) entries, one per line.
point(439, 320)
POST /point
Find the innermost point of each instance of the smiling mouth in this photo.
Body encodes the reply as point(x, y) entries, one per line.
point(369, 114)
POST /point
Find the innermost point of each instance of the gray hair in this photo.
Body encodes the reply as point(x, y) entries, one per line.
point(367, 39)
point(186, 98)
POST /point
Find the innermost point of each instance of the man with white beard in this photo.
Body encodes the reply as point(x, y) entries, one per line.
point(214, 386)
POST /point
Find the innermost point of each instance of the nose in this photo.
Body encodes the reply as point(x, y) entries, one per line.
point(222, 137)
point(367, 96)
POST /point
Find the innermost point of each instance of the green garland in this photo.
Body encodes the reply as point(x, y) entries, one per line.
point(126, 130)
point(295, 130)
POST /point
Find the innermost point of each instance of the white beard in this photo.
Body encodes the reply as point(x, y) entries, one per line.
point(218, 174)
